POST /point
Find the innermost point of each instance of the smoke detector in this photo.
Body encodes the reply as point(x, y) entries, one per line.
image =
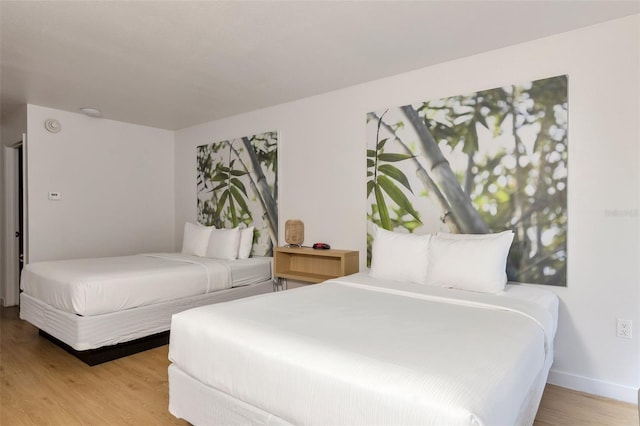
point(91, 112)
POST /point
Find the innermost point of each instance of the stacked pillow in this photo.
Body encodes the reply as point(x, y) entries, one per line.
point(399, 257)
point(207, 241)
point(246, 242)
point(195, 239)
point(475, 262)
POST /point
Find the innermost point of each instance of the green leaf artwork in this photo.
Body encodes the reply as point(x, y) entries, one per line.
point(237, 184)
point(478, 163)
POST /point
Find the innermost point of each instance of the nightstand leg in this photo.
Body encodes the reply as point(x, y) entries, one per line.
point(279, 284)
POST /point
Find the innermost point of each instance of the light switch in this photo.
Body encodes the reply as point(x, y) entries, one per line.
point(54, 195)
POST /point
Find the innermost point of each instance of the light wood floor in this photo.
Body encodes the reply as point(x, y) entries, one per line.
point(40, 384)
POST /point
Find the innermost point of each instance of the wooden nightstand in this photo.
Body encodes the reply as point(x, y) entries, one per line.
point(313, 266)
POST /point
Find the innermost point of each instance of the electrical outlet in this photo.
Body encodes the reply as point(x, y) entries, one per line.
point(623, 328)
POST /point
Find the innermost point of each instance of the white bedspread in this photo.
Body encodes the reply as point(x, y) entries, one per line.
point(97, 286)
point(361, 351)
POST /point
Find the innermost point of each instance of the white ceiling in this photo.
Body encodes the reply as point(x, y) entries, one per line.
point(173, 64)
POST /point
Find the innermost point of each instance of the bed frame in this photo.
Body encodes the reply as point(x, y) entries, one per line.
point(101, 338)
point(109, 353)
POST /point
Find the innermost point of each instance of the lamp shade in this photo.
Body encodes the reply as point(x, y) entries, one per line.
point(294, 232)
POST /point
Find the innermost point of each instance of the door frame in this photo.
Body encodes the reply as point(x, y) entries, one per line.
point(11, 290)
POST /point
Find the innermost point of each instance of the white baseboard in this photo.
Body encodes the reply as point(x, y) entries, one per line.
point(594, 386)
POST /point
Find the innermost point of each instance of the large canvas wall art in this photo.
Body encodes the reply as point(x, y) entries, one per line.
point(478, 163)
point(238, 186)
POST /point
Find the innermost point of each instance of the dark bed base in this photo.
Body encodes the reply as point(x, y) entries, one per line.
point(109, 353)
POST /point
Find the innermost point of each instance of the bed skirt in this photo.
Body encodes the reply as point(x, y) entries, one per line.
point(200, 404)
point(92, 332)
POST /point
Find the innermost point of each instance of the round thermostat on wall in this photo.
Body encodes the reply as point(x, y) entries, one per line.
point(52, 125)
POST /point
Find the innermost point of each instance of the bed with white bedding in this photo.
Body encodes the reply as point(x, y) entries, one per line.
point(90, 304)
point(432, 334)
point(368, 351)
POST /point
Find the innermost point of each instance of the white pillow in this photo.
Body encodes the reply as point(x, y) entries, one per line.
point(246, 243)
point(224, 243)
point(475, 262)
point(195, 239)
point(398, 256)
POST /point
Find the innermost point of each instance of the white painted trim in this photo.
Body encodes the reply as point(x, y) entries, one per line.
point(594, 386)
point(25, 201)
point(10, 290)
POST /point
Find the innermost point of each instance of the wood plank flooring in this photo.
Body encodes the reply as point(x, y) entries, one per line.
point(40, 384)
point(562, 406)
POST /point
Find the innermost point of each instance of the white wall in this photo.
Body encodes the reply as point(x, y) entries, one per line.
point(116, 181)
point(322, 178)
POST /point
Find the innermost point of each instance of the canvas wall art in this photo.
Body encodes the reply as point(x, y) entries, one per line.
point(238, 186)
point(478, 163)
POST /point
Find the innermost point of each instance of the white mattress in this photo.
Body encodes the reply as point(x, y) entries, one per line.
point(250, 271)
point(363, 351)
point(102, 285)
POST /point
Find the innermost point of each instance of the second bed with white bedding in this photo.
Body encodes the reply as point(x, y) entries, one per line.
point(89, 304)
point(362, 351)
point(103, 285)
